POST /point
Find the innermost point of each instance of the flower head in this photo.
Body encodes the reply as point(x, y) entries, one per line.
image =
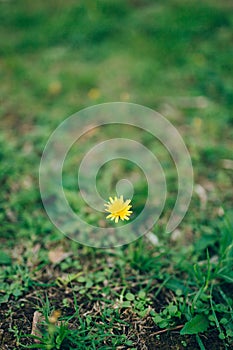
point(118, 209)
point(54, 317)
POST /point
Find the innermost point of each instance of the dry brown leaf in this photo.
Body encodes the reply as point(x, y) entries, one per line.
point(227, 164)
point(57, 255)
point(152, 238)
point(37, 318)
point(201, 192)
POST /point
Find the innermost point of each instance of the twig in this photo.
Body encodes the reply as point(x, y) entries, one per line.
point(167, 329)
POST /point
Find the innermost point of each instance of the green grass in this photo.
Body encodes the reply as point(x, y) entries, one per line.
point(59, 57)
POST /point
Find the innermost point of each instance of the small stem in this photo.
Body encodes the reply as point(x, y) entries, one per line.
point(167, 329)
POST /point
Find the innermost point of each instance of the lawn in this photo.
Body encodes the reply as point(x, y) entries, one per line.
point(165, 290)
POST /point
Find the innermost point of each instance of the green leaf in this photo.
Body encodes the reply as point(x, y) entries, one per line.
point(4, 298)
point(82, 291)
point(197, 324)
point(140, 305)
point(89, 284)
point(81, 279)
point(142, 313)
point(142, 294)
point(163, 324)
point(200, 343)
point(5, 259)
point(229, 333)
point(129, 296)
point(172, 309)
point(157, 319)
point(205, 241)
point(126, 304)
point(224, 320)
point(17, 292)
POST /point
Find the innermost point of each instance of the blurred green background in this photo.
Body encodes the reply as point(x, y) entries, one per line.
point(59, 57)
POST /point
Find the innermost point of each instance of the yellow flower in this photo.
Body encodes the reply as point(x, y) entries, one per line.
point(94, 94)
point(54, 317)
point(118, 209)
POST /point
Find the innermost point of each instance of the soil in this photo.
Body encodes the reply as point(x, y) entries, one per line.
point(19, 315)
